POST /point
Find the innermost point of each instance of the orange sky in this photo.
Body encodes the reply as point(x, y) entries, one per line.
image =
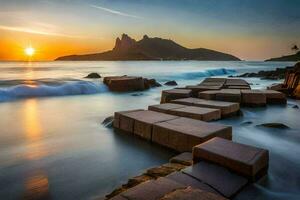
point(250, 30)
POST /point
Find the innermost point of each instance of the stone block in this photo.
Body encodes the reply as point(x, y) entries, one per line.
point(230, 95)
point(165, 107)
point(245, 160)
point(204, 114)
point(192, 194)
point(142, 122)
point(275, 97)
point(182, 134)
point(227, 108)
point(203, 87)
point(185, 158)
point(208, 95)
point(116, 123)
point(236, 82)
point(152, 190)
point(168, 95)
point(188, 180)
point(253, 98)
point(221, 179)
point(124, 83)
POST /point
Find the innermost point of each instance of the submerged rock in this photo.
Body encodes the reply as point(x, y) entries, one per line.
point(108, 122)
point(137, 94)
point(171, 83)
point(246, 123)
point(296, 107)
point(274, 125)
point(93, 75)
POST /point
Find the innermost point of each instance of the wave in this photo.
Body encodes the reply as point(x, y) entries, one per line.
point(200, 74)
point(36, 89)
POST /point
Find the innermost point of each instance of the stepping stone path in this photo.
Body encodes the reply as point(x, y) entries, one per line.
point(217, 168)
point(204, 114)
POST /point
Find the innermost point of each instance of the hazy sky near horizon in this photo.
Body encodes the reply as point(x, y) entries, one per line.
point(248, 29)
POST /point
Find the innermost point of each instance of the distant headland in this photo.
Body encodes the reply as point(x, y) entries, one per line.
point(294, 57)
point(148, 48)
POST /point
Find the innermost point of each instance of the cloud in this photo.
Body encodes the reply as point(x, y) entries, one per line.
point(115, 12)
point(35, 31)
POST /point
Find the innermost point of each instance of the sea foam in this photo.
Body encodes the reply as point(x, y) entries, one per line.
point(43, 90)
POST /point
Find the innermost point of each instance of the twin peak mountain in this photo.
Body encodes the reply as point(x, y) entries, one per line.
point(147, 48)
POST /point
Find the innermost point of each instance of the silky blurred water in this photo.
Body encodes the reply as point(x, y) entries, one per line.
point(52, 142)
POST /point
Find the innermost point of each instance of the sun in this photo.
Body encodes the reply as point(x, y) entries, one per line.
point(29, 51)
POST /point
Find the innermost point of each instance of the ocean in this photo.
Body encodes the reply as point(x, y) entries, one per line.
point(52, 140)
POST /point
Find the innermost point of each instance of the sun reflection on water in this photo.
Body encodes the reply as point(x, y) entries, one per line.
point(33, 131)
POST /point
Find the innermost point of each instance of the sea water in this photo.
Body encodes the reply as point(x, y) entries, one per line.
point(52, 140)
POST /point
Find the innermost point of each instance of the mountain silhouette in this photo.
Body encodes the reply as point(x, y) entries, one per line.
point(148, 48)
point(293, 57)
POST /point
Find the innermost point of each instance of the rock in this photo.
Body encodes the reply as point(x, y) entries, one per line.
point(296, 107)
point(137, 94)
point(247, 123)
point(171, 83)
point(150, 83)
point(93, 75)
point(274, 125)
point(108, 122)
point(248, 161)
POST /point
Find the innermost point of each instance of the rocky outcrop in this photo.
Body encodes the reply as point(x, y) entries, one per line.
point(148, 48)
point(279, 73)
point(293, 57)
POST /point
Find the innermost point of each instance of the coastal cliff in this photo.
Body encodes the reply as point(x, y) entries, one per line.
point(148, 48)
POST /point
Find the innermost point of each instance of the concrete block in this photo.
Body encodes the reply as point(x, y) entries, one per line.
point(275, 97)
point(185, 158)
point(208, 95)
point(152, 190)
point(227, 108)
point(220, 178)
point(116, 123)
point(188, 180)
point(192, 194)
point(165, 107)
point(253, 98)
point(124, 83)
point(229, 95)
point(168, 95)
point(248, 161)
point(182, 134)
